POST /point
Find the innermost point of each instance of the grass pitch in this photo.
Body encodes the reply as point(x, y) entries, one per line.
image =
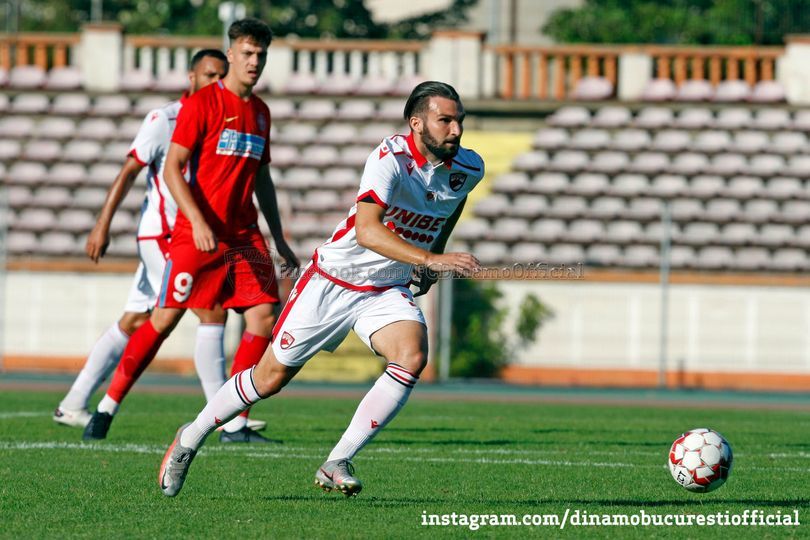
point(437, 457)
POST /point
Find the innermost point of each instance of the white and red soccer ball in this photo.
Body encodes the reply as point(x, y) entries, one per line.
point(700, 460)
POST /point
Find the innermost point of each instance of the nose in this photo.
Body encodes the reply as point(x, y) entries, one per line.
point(455, 129)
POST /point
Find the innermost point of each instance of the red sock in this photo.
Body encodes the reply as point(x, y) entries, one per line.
point(250, 351)
point(140, 351)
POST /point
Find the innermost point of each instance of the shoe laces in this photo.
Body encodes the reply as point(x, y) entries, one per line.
point(345, 467)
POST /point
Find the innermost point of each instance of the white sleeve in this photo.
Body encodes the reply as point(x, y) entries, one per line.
point(152, 138)
point(380, 176)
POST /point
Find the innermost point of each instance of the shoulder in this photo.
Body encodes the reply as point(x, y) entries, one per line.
point(203, 97)
point(468, 161)
point(155, 120)
point(385, 155)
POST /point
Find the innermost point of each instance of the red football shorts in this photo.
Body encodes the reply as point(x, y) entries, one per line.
point(238, 275)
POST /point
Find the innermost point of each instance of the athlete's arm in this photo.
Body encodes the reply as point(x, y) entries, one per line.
point(426, 278)
point(373, 235)
point(99, 237)
point(204, 238)
point(266, 194)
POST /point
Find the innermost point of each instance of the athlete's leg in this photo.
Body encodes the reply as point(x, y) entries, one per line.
point(404, 344)
point(259, 322)
point(209, 351)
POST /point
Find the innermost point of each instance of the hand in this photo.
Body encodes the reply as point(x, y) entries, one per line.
point(291, 262)
point(424, 280)
point(462, 263)
point(204, 237)
point(97, 242)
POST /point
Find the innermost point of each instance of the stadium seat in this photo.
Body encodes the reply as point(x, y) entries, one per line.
point(30, 104)
point(689, 163)
point(631, 140)
point(727, 164)
point(491, 253)
point(640, 256)
point(16, 127)
point(569, 161)
point(26, 173)
point(722, 210)
point(405, 85)
point(733, 118)
point(659, 90)
point(115, 152)
point(52, 197)
point(766, 165)
point(55, 127)
point(64, 78)
point(4, 102)
point(590, 139)
point(281, 109)
point(101, 174)
point(711, 142)
point(567, 207)
point(749, 142)
point(682, 257)
point(788, 143)
point(606, 208)
point(694, 118)
point(566, 254)
point(337, 85)
point(172, 82)
point(772, 118)
point(695, 90)
point(751, 259)
point(373, 133)
point(41, 150)
point(623, 232)
point(297, 134)
point(319, 156)
point(375, 86)
point(350, 156)
point(547, 230)
point(592, 89)
point(798, 166)
point(603, 255)
point(629, 185)
point(731, 91)
point(789, 259)
point(71, 104)
point(508, 229)
point(18, 197)
point(609, 162)
point(58, 243)
point(356, 110)
point(341, 178)
point(767, 92)
point(98, 129)
point(589, 184)
point(22, 243)
point(528, 252)
point(738, 234)
point(801, 120)
point(302, 179)
point(390, 111)
point(81, 151)
point(301, 84)
point(147, 103)
point(570, 116)
point(760, 210)
point(744, 187)
point(3, 77)
point(35, 220)
point(507, 183)
point(685, 210)
point(136, 81)
point(649, 163)
point(706, 186)
point(612, 117)
point(123, 222)
point(795, 212)
point(26, 77)
point(66, 174)
point(530, 161)
point(550, 139)
point(123, 245)
point(585, 231)
point(644, 209)
point(472, 229)
point(10, 150)
point(785, 187)
point(550, 183)
point(775, 235)
point(668, 186)
point(493, 207)
point(698, 234)
point(110, 106)
point(529, 206)
point(128, 129)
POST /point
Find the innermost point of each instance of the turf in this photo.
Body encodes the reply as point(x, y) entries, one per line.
point(437, 457)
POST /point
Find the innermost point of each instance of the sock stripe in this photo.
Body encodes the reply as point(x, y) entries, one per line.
point(399, 379)
point(397, 367)
point(239, 391)
point(253, 383)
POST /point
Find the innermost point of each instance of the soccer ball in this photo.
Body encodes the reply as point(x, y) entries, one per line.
point(700, 460)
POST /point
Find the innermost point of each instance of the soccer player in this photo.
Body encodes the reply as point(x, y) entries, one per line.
point(154, 233)
point(411, 195)
point(217, 255)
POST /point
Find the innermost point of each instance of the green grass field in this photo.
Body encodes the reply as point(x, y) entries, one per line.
point(437, 457)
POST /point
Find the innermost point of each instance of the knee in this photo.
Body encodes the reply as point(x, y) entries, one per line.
point(414, 361)
point(130, 322)
point(262, 325)
point(270, 379)
point(164, 320)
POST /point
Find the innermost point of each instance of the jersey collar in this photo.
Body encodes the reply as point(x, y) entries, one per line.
point(184, 97)
point(417, 155)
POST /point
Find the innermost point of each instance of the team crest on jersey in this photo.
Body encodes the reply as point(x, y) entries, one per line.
point(457, 181)
point(287, 340)
point(262, 122)
point(252, 266)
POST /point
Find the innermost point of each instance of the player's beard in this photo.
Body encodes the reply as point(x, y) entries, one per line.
point(440, 150)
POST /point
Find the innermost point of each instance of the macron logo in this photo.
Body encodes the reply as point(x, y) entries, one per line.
point(384, 152)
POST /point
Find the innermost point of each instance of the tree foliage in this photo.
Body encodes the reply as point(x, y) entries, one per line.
point(303, 18)
point(706, 22)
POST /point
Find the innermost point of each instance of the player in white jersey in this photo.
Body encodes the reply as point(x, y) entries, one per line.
point(411, 195)
point(158, 213)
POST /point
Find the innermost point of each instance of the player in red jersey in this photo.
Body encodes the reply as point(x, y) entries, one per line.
point(217, 254)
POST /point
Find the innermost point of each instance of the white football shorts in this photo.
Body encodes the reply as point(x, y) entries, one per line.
point(143, 293)
point(319, 314)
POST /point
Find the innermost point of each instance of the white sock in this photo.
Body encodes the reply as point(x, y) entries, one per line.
point(236, 395)
point(380, 406)
point(102, 360)
point(108, 405)
point(209, 358)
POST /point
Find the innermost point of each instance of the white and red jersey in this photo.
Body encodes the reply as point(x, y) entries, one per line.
point(418, 198)
point(150, 147)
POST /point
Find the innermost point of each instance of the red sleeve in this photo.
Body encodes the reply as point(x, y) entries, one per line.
point(266, 154)
point(190, 126)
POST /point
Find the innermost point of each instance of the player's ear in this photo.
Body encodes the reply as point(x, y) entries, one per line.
point(416, 124)
point(229, 54)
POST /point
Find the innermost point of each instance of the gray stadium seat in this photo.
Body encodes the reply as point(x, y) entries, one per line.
point(297, 134)
point(772, 118)
point(699, 234)
point(373, 133)
point(612, 117)
point(64, 78)
point(607, 208)
point(775, 234)
point(711, 141)
point(123, 222)
point(36, 220)
point(789, 259)
point(108, 106)
point(337, 85)
point(547, 231)
point(26, 173)
point(686, 209)
point(30, 104)
point(640, 256)
point(749, 142)
point(659, 90)
point(590, 139)
point(631, 140)
point(491, 253)
point(356, 109)
point(732, 91)
point(341, 178)
point(644, 209)
point(376, 86)
point(18, 196)
point(801, 120)
point(670, 140)
point(751, 258)
point(788, 143)
point(654, 118)
point(706, 186)
point(351, 156)
point(508, 229)
point(760, 210)
point(668, 185)
point(281, 109)
point(654, 232)
point(550, 139)
point(102, 174)
point(733, 118)
point(89, 198)
point(115, 152)
point(21, 243)
point(566, 254)
point(284, 156)
point(528, 252)
point(592, 89)
point(493, 206)
point(585, 231)
point(319, 156)
point(9, 150)
point(530, 161)
point(767, 92)
point(26, 77)
point(176, 80)
point(56, 128)
point(715, 258)
point(745, 187)
point(148, 103)
point(302, 178)
point(40, 150)
point(317, 109)
point(569, 161)
point(766, 165)
point(16, 127)
point(567, 207)
point(76, 221)
point(682, 257)
point(629, 185)
point(722, 210)
point(609, 162)
point(623, 232)
point(727, 164)
point(689, 163)
point(798, 166)
point(694, 118)
point(472, 229)
point(97, 129)
point(589, 184)
point(603, 255)
point(795, 212)
point(738, 234)
point(649, 163)
point(511, 183)
point(136, 81)
point(570, 116)
point(390, 111)
point(785, 187)
point(695, 90)
point(81, 151)
point(550, 183)
point(71, 104)
point(529, 206)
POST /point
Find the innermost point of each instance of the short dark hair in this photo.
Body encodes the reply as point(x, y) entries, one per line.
point(420, 96)
point(253, 29)
point(213, 53)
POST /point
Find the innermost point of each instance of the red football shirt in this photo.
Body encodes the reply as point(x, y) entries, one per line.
point(229, 139)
